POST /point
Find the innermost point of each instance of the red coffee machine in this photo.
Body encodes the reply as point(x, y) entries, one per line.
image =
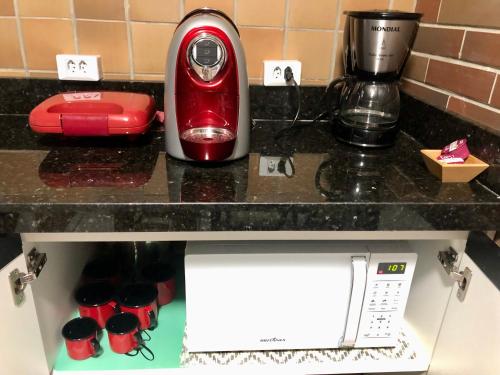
point(206, 90)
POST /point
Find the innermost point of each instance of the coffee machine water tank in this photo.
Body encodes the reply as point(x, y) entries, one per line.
point(206, 90)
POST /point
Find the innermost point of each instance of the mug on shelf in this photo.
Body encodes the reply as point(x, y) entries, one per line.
point(96, 301)
point(101, 270)
point(163, 276)
point(125, 336)
point(140, 300)
point(80, 336)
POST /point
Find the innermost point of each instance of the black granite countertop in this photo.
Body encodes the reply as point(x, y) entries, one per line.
point(52, 184)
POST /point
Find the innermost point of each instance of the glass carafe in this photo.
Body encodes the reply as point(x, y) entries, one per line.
point(369, 104)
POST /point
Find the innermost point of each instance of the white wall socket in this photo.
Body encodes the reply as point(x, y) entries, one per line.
point(79, 67)
point(274, 71)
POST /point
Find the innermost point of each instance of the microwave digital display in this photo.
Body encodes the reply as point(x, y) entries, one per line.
point(391, 268)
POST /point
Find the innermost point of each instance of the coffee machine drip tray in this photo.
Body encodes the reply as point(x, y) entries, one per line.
point(208, 143)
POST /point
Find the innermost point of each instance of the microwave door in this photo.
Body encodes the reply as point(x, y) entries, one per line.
point(358, 285)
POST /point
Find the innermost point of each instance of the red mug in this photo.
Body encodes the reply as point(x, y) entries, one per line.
point(96, 301)
point(80, 335)
point(163, 276)
point(125, 336)
point(101, 269)
point(140, 300)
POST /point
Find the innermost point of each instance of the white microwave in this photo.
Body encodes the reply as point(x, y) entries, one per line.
point(295, 295)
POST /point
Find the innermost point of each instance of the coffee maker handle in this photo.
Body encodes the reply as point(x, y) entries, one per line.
point(332, 89)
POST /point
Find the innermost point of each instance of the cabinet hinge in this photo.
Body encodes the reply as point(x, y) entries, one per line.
point(448, 259)
point(19, 280)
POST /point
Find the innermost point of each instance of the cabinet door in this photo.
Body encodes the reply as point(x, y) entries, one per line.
point(21, 346)
point(469, 340)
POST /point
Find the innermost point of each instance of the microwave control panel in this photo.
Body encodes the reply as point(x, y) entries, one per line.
point(388, 284)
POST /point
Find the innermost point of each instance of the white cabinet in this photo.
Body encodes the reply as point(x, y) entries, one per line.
point(445, 334)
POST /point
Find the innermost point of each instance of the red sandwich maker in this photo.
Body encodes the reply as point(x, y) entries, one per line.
point(101, 113)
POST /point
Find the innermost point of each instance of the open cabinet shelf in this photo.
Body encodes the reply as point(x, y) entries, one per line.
point(171, 355)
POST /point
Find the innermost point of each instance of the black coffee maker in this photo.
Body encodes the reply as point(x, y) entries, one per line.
point(376, 47)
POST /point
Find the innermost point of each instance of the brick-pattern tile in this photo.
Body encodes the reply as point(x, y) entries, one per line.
point(495, 99)
point(472, 83)
point(429, 9)
point(484, 13)
point(482, 48)
point(439, 41)
point(482, 116)
point(425, 94)
point(416, 67)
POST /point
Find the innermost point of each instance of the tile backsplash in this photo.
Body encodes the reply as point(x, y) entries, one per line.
point(454, 66)
point(455, 62)
point(132, 36)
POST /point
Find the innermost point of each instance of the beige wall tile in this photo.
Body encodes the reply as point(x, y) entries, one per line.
point(261, 12)
point(99, 9)
point(404, 5)
point(108, 39)
point(44, 38)
point(6, 7)
point(227, 6)
point(317, 14)
point(150, 42)
point(314, 82)
point(41, 8)
point(155, 10)
point(12, 73)
point(150, 77)
point(360, 5)
point(10, 55)
point(314, 49)
point(338, 69)
point(256, 51)
point(116, 77)
point(48, 74)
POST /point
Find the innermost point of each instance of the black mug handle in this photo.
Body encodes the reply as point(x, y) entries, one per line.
point(153, 320)
point(97, 348)
point(141, 347)
point(147, 335)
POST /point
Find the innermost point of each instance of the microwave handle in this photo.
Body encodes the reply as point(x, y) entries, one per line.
point(356, 301)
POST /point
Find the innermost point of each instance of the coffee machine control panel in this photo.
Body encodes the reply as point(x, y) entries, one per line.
point(207, 56)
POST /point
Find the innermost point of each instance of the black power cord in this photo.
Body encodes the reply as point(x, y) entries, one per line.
point(287, 160)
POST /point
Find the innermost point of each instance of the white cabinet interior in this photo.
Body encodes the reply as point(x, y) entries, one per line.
point(49, 304)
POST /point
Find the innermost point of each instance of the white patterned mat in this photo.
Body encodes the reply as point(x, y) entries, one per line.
point(402, 350)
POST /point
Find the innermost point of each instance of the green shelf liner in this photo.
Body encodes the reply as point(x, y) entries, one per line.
point(166, 343)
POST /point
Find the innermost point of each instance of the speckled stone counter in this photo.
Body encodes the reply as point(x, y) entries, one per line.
point(51, 184)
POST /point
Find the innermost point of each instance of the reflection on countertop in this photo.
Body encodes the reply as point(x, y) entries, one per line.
point(334, 186)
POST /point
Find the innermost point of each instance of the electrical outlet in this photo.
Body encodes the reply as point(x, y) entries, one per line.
point(79, 67)
point(270, 166)
point(274, 71)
